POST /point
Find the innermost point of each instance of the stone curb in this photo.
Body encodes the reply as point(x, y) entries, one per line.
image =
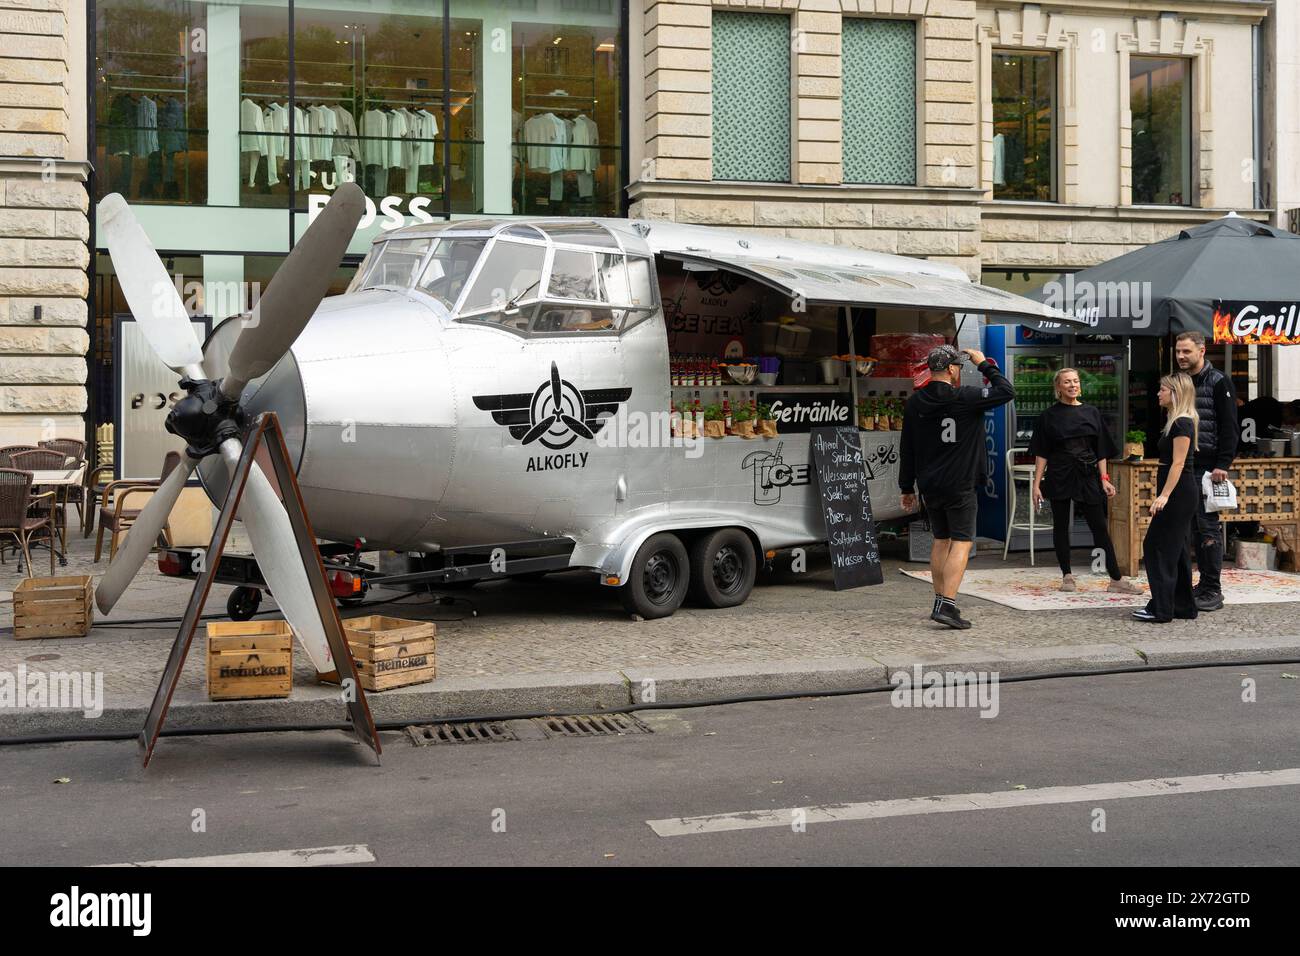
point(460, 698)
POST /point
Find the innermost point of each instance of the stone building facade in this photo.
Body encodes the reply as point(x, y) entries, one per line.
point(950, 213)
point(44, 225)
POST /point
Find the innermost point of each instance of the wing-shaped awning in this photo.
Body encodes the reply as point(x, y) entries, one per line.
point(859, 286)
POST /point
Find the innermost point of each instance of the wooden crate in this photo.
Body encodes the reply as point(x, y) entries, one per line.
point(249, 660)
point(53, 607)
point(390, 652)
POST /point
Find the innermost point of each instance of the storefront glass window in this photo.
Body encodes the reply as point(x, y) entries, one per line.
point(151, 70)
point(499, 109)
point(1160, 100)
point(1023, 123)
point(566, 114)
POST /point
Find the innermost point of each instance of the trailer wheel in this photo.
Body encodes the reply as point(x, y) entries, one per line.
point(243, 603)
point(659, 579)
point(723, 567)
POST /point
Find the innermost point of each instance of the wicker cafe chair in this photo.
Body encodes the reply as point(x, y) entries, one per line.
point(21, 513)
point(115, 518)
point(75, 449)
point(46, 459)
point(9, 450)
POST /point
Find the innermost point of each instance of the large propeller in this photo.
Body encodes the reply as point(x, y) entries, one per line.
point(558, 414)
point(209, 417)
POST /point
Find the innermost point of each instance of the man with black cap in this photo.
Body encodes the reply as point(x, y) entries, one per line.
point(943, 454)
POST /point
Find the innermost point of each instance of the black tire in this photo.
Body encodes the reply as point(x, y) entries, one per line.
point(243, 603)
point(659, 578)
point(352, 601)
point(723, 567)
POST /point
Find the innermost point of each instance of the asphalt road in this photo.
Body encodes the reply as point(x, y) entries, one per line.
point(589, 801)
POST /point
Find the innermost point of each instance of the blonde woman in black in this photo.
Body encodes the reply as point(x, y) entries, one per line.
point(1071, 446)
point(1169, 565)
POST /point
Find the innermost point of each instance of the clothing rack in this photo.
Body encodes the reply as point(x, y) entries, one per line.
point(121, 81)
point(534, 108)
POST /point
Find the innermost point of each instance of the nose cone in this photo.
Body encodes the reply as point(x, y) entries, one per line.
point(279, 391)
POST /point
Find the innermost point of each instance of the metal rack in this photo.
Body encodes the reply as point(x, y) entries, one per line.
point(112, 89)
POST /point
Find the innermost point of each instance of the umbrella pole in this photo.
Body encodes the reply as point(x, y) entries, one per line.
point(853, 366)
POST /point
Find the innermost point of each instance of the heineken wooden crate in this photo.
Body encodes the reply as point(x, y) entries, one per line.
point(249, 660)
point(390, 652)
point(53, 607)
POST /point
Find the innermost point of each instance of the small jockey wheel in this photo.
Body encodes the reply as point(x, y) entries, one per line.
point(243, 603)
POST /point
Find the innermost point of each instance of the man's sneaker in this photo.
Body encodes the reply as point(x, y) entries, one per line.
point(1208, 600)
point(1067, 583)
point(1142, 614)
point(949, 616)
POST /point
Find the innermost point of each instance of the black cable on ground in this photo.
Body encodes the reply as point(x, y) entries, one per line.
point(629, 709)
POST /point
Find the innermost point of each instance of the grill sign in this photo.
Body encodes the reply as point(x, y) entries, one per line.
point(1256, 323)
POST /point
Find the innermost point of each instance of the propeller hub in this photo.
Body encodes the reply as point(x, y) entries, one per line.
point(205, 418)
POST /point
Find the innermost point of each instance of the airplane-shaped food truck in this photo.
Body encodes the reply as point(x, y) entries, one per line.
point(496, 397)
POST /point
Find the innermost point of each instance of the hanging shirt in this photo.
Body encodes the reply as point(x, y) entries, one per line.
point(121, 119)
point(252, 127)
point(172, 135)
point(146, 121)
point(374, 131)
point(345, 142)
point(581, 156)
point(323, 127)
point(276, 120)
point(546, 138)
point(399, 128)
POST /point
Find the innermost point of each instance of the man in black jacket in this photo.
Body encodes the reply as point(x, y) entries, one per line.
point(943, 454)
point(1216, 446)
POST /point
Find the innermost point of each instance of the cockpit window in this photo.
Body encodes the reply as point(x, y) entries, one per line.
point(394, 263)
point(573, 276)
point(511, 273)
point(449, 269)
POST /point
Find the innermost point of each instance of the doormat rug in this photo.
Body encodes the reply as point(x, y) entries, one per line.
point(1037, 589)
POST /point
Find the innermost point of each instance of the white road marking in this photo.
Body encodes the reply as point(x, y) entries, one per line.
point(958, 802)
point(312, 856)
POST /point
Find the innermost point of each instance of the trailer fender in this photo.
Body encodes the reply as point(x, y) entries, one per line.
point(617, 565)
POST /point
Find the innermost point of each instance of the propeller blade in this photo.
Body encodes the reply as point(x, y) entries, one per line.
point(147, 287)
point(538, 430)
point(576, 426)
point(140, 539)
point(296, 290)
point(271, 535)
point(556, 397)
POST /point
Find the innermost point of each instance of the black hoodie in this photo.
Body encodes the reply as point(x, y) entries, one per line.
point(943, 434)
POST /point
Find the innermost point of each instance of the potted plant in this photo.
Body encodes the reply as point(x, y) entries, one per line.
point(715, 425)
point(742, 421)
point(766, 423)
point(867, 414)
point(896, 414)
point(1135, 443)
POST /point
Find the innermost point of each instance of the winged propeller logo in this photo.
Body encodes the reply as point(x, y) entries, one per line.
point(556, 415)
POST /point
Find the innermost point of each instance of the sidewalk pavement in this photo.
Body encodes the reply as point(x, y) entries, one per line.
point(564, 644)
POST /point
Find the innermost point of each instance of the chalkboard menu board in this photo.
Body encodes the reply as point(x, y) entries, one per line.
point(846, 506)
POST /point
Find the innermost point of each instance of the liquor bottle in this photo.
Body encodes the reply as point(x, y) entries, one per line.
point(726, 412)
point(697, 410)
point(716, 373)
point(674, 420)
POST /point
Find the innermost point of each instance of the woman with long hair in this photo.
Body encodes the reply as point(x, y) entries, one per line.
point(1169, 565)
point(1071, 446)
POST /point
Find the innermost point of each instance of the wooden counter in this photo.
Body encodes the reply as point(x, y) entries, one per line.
point(1268, 491)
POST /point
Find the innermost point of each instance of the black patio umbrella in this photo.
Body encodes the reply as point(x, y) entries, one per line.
point(1246, 272)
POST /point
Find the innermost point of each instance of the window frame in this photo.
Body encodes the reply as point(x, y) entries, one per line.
point(1054, 188)
point(1191, 197)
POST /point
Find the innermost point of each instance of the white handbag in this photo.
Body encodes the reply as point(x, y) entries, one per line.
point(1219, 495)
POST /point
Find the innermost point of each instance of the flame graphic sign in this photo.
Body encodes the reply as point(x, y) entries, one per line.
point(1256, 323)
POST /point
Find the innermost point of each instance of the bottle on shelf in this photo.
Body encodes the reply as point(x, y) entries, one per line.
point(726, 413)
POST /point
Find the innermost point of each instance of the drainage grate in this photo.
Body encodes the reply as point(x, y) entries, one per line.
point(470, 732)
point(592, 725)
point(539, 728)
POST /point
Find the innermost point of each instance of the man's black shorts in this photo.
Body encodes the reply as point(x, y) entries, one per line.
point(952, 517)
